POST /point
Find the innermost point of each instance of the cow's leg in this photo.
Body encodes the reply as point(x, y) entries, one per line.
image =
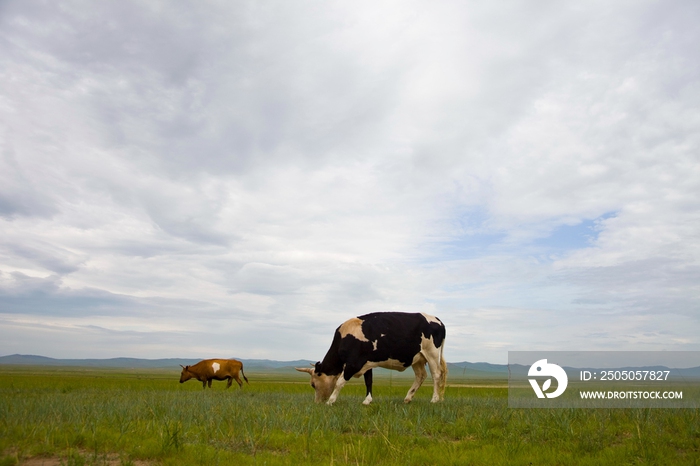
point(368, 384)
point(421, 374)
point(239, 381)
point(204, 384)
point(209, 382)
point(433, 357)
point(346, 375)
point(229, 381)
point(339, 384)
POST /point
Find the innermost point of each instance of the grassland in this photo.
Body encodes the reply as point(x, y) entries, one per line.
point(120, 417)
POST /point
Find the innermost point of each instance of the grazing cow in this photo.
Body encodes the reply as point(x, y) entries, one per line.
point(214, 369)
point(393, 340)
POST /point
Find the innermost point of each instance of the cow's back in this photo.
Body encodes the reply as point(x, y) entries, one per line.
point(400, 335)
point(401, 325)
point(211, 367)
point(232, 366)
point(203, 368)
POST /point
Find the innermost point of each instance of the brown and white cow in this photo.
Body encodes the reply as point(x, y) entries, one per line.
point(214, 369)
point(393, 340)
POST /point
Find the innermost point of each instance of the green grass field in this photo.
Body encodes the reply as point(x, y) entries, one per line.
point(121, 417)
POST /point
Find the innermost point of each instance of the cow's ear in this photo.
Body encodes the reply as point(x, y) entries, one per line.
point(317, 367)
point(304, 369)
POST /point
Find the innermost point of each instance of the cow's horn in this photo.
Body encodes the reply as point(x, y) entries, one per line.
point(304, 369)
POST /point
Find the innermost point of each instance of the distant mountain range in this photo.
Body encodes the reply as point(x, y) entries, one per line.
point(456, 369)
point(136, 363)
point(479, 369)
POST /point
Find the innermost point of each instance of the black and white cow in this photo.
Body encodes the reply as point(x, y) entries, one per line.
point(393, 340)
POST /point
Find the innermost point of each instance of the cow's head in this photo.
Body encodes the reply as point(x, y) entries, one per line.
point(322, 383)
point(186, 374)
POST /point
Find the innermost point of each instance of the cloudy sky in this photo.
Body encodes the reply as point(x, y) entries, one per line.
point(235, 179)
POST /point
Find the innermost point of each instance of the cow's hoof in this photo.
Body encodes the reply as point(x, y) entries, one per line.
point(407, 400)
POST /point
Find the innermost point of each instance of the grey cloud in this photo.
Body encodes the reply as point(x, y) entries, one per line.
point(24, 202)
point(656, 285)
point(55, 260)
point(36, 296)
point(19, 195)
point(22, 294)
point(114, 35)
point(209, 100)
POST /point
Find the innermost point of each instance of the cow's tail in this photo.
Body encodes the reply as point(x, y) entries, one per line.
point(244, 377)
point(443, 373)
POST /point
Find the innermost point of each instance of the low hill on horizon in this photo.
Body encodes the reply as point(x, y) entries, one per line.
point(135, 363)
point(480, 369)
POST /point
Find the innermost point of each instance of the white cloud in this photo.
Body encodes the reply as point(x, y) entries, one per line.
point(260, 173)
